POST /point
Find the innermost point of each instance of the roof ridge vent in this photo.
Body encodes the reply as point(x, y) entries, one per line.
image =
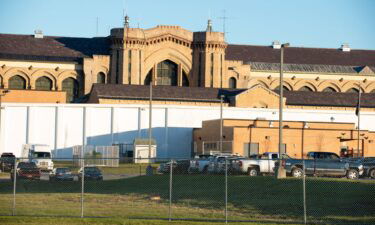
point(38, 34)
point(276, 45)
point(345, 47)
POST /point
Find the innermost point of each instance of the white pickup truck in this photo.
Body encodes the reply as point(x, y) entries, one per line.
point(201, 164)
point(254, 167)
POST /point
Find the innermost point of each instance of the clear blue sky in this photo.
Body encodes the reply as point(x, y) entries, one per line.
point(309, 23)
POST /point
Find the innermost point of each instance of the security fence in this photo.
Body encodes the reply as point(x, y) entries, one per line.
point(182, 189)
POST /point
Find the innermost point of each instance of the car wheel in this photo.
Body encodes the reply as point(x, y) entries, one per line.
point(371, 174)
point(297, 172)
point(352, 174)
point(253, 172)
point(205, 170)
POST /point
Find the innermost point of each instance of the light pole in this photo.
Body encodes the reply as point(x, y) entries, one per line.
point(150, 123)
point(2, 93)
point(221, 123)
point(358, 117)
point(281, 173)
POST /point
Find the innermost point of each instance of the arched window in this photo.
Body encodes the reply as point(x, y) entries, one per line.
point(148, 78)
point(352, 90)
point(17, 82)
point(232, 82)
point(1, 82)
point(70, 85)
point(167, 73)
point(329, 89)
point(285, 88)
point(305, 88)
point(100, 78)
point(373, 91)
point(185, 81)
point(43, 84)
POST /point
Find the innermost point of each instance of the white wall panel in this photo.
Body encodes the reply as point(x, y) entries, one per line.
point(125, 125)
point(98, 126)
point(42, 126)
point(70, 130)
point(14, 132)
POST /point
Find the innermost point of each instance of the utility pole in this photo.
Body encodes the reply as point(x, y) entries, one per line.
point(358, 112)
point(281, 173)
point(221, 123)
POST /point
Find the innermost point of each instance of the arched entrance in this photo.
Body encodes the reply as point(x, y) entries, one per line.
point(70, 85)
point(166, 73)
point(100, 78)
point(43, 84)
point(232, 82)
point(17, 82)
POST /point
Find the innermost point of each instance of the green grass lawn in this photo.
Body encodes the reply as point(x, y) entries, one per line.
point(123, 168)
point(264, 199)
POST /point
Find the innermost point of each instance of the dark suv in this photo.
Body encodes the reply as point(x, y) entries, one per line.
point(7, 161)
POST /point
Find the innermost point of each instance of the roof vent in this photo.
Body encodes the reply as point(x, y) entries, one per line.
point(345, 47)
point(38, 34)
point(276, 44)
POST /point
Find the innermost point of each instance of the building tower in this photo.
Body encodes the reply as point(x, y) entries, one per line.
point(208, 57)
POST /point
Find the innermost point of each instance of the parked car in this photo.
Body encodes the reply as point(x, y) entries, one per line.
point(26, 170)
point(263, 164)
point(7, 161)
point(200, 164)
point(217, 163)
point(61, 174)
point(369, 167)
point(91, 173)
point(178, 167)
point(327, 164)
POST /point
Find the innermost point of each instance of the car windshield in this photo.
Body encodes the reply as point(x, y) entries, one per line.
point(45, 155)
point(91, 169)
point(62, 170)
point(26, 165)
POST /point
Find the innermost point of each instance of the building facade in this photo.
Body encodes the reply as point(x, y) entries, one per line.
point(173, 56)
point(253, 137)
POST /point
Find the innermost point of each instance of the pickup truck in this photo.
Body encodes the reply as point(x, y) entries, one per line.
point(323, 164)
point(7, 161)
point(368, 166)
point(263, 164)
point(217, 164)
point(199, 164)
point(26, 170)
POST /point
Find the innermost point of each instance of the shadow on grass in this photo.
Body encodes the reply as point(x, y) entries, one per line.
point(333, 201)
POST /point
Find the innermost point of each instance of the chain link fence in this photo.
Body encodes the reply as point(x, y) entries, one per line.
point(206, 189)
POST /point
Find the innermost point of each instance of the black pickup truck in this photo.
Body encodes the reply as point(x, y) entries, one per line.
point(7, 161)
point(324, 164)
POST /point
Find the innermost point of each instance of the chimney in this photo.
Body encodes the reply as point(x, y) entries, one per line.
point(345, 47)
point(38, 34)
point(209, 26)
point(276, 45)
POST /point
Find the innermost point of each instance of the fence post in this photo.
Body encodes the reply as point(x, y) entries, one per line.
point(82, 185)
point(226, 191)
point(304, 194)
point(170, 190)
point(14, 186)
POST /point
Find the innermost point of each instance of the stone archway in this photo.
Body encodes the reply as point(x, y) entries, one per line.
point(181, 59)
